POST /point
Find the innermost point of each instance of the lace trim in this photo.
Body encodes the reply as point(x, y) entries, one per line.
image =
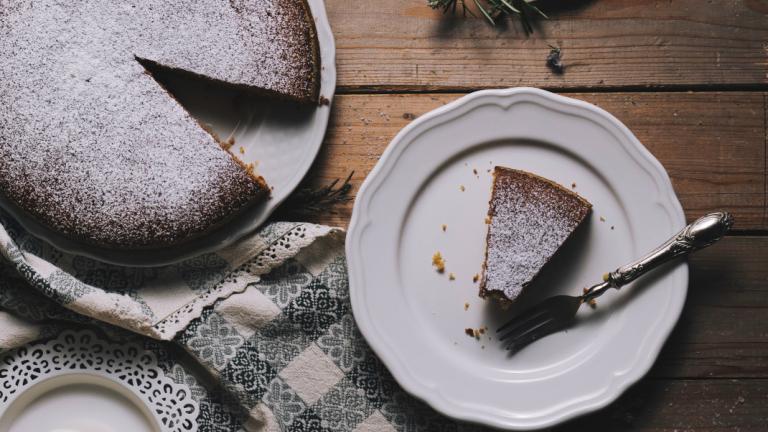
point(284, 247)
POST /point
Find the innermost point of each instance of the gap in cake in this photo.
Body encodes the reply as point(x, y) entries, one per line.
point(164, 75)
point(215, 103)
point(167, 75)
point(224, 106)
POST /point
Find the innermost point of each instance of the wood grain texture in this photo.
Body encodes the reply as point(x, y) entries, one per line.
point(403, 44)
point(712, 144)
point(682, 406)
point(723, 331)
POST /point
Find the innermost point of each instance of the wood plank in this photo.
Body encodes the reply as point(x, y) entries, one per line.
point(712, 144)
point(403, 44)
point(683, 405)
point(723, 331)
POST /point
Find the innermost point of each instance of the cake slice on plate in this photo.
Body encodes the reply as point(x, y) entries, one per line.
point(529, 218)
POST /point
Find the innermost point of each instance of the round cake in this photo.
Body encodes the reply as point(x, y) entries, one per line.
point(94, 148)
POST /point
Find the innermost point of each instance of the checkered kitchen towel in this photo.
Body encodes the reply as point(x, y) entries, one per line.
point(269, 319)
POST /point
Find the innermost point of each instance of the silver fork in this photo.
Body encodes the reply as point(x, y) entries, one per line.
point(559, 312)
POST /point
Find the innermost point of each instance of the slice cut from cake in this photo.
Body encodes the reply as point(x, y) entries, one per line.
point(529, 218)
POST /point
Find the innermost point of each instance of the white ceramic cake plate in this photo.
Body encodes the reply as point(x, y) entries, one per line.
point(415, 318)
point(81, 383)
point(281, 140)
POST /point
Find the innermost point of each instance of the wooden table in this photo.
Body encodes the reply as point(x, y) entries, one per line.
point(690, 78)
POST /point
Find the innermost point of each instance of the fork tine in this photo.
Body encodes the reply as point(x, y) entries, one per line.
point(530, 336)
point(522, 318)
point(532, 328)
point(527, 326)
point(521, 326)
point(550, 316)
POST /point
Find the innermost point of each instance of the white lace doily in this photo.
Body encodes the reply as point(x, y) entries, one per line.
point(83, 352)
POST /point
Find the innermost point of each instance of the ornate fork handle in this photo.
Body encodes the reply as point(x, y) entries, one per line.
point(699, 234)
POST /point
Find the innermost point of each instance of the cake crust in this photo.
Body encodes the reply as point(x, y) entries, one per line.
point(529, 218)
point(95, 149)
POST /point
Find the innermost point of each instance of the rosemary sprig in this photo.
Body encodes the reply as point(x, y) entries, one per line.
point(494, 10)
point(308, 202)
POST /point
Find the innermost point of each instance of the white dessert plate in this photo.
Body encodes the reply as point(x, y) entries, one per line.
point(415, 318)
point(281, 140)
point(79, 382)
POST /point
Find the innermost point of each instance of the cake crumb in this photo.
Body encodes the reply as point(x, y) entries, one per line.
point(324, 101)
point(482, 346)
point(605, 277)
point(242, 150)
point(444, 227)
point(591, 302)
point(228, 143)
point(451, 276)
point(471, 332)
point(466, 306)
point(602, 219)
point(612, 226)
point(487, 220)
point(409, 116)
point(438, 262)
point(474, 171)
point(573, 185)
point(475, 278)
point(462, 188)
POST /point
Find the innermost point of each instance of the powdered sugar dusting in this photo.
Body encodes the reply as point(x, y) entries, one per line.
point(267, 44)
point(93, 147)
point(530, 218)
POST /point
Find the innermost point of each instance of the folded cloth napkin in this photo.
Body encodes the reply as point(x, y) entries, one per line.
point(268, 319)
